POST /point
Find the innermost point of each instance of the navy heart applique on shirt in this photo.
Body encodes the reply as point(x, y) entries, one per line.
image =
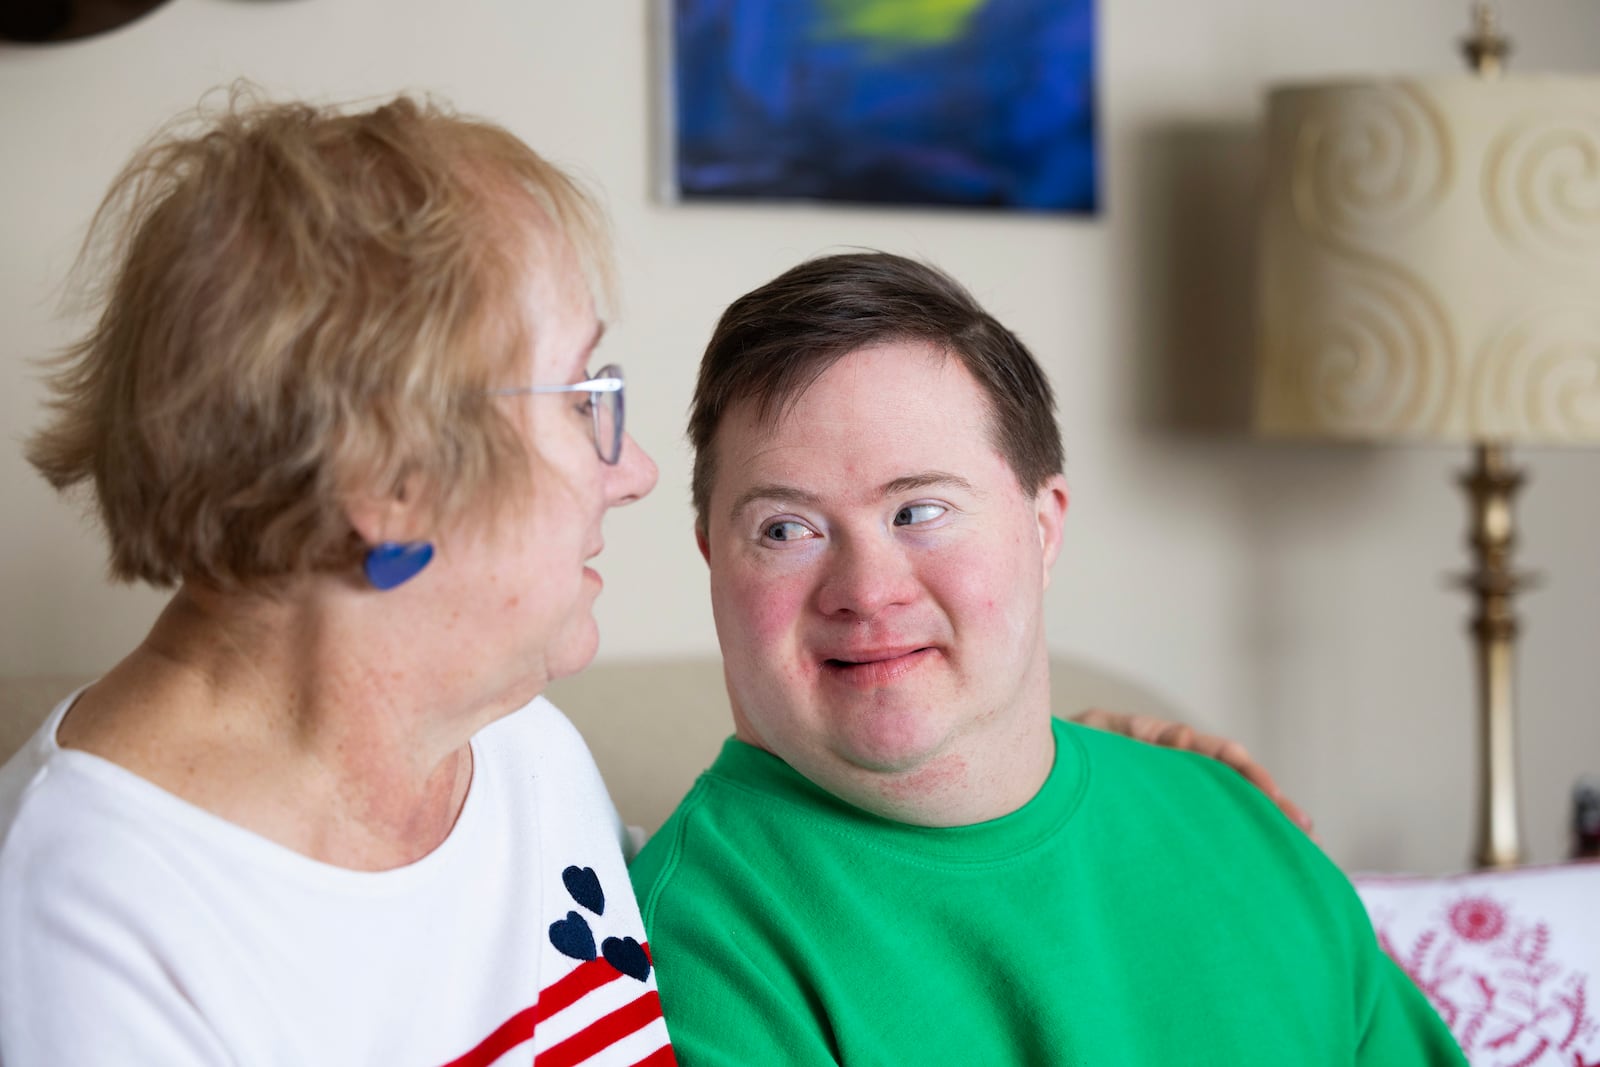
point(584, 885)
point(627, 956)
point(572, 937)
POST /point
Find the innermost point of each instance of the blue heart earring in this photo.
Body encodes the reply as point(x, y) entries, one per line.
point(391, 563)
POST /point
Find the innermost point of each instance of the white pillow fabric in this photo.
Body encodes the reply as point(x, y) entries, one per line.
point(1511, 959)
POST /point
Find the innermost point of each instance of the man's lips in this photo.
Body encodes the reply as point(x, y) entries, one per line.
point(855, 657)
point(876, 667)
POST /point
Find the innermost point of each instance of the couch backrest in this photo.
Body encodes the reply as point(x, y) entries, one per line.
point(653, 726)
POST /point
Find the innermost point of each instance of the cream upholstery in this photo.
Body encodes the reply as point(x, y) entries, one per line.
point(652, 726)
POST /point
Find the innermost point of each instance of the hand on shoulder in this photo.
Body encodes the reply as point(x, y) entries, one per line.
point(1168, 734)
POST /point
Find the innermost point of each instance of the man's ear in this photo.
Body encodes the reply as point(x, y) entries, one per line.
point(701, 542)
point(1050, 512)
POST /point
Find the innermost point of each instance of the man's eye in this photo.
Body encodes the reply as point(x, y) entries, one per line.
point(786, 530)
point(912, 514)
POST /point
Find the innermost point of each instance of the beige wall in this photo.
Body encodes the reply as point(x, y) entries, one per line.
point(1293, 596)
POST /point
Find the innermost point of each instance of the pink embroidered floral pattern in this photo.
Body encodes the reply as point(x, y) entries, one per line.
point(1497, 983)
point(1478, 919)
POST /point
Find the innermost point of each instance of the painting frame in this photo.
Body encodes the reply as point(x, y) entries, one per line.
point(978, 104)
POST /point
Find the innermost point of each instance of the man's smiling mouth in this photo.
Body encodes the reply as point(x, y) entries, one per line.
point(878, 666)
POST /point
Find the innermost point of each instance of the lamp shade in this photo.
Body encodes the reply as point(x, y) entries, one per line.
point(1430, 261)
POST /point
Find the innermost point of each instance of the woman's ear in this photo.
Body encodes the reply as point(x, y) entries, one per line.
point(394, 516)
point(391, 529)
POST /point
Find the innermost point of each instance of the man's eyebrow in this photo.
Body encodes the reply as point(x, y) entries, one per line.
point(789, 494)
point(775, 492)
point(926, 480)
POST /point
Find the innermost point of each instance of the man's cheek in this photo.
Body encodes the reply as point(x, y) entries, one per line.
point(965, 581)
point(989, 589)
point(770, 609)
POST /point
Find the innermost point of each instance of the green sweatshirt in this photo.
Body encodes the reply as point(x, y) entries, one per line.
point(1146, 907)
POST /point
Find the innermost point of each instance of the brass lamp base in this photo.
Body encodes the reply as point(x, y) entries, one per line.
point(1490, 486)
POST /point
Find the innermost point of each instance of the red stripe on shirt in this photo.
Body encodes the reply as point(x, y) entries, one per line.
point(511, 1033)
point(565, 992)
point(661, 1057)
point(603, 1032)
point(574, 986)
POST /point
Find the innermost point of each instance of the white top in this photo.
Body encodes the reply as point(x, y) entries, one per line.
point(136, 928)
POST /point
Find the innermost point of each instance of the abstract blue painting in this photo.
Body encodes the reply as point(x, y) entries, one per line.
point(983, 103)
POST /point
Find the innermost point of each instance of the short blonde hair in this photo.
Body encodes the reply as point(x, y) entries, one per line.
point(297, 303)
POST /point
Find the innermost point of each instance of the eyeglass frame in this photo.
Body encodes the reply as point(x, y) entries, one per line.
point(608, 381)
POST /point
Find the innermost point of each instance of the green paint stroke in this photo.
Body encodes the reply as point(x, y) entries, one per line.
point(898, 23)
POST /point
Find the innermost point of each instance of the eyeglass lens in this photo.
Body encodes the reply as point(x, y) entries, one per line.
point(608, 415)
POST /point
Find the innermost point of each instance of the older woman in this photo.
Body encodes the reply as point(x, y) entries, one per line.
point(339, 398)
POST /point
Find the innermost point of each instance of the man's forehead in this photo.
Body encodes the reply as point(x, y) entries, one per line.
point(896, 418)
point(872, 375)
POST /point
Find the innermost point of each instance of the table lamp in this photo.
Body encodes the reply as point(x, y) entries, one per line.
point(1430, 272)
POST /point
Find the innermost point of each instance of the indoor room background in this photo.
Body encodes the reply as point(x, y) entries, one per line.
point(1294, 596)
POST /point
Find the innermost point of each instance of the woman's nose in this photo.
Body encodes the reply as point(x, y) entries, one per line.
point(633, 475)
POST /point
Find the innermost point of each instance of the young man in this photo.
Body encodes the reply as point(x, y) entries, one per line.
point(901, 856)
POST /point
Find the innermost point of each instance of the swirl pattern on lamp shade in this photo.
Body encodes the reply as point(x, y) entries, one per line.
point(1430, 261)
point(1541, 375)
point(1542, 188)
point(1377, 163)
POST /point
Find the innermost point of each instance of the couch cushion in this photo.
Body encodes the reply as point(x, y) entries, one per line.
point(653, 726)
point(1511, 959)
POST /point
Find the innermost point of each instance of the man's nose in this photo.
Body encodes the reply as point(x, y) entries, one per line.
point(864, 574)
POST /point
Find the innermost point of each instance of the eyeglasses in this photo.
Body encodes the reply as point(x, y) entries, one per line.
point(605, 406)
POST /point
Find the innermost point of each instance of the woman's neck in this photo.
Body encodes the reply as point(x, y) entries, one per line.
point(286, 717)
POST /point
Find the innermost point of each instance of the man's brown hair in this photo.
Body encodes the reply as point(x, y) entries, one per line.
point(774, 342)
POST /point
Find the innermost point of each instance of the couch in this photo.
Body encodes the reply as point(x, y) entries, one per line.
point(1510, 959)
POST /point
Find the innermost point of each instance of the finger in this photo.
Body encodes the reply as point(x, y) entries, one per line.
point(1098, 719)
point(1157, 731)
point(1299, 816)
point(1238, 757)
point(1150, 729)
point(1235, 755)
point(1177, 735)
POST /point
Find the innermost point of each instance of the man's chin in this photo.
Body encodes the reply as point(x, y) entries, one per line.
point(905, 784)
point(898, 754)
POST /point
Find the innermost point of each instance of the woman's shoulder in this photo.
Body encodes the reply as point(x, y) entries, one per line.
point(59, 805)
point(79, 839)
point(30, 766)
point(538, 745)
point(538, 733)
